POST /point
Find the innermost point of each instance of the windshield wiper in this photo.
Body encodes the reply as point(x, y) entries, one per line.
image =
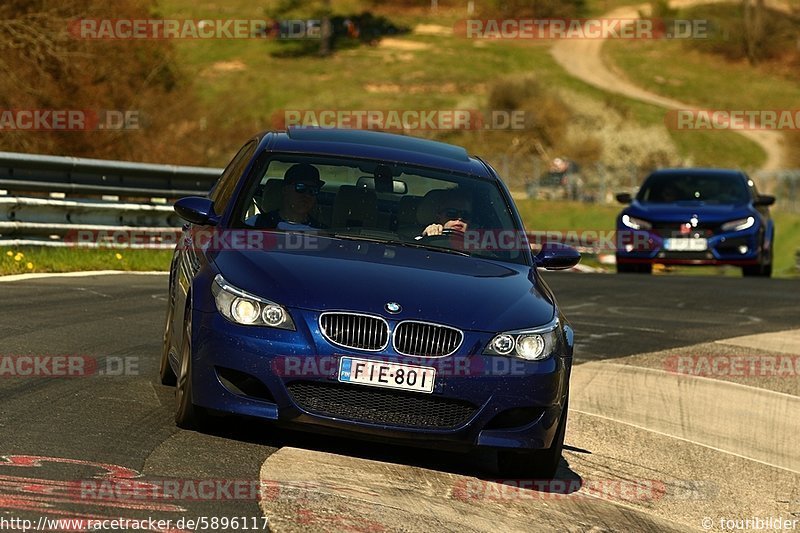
point(349, 236)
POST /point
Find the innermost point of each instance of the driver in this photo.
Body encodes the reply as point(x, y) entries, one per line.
point(301, 184)
point(454, 213)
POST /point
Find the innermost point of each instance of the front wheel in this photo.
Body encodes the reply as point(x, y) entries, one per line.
point(537, 464)
point(165, 373)
point(187, 414)
point(762, 270)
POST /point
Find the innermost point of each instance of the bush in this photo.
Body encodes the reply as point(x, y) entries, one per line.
point(546, 115)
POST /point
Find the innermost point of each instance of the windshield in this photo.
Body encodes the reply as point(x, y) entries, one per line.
point(391, 203)
point(717, 189)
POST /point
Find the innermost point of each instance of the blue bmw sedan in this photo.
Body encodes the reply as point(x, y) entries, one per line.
point(696, 216)
point(371, 285)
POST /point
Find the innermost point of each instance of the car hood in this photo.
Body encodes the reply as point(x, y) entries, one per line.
point(683, 211)
point(336, 274)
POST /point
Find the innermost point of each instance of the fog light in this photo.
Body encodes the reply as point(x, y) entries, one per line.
point(245, 311)
point(503, 344)
point(273, 315)
point(743, 249)
point(530, 346)
point(628, 247)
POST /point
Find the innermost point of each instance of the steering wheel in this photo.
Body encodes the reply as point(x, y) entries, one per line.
point(447, 233)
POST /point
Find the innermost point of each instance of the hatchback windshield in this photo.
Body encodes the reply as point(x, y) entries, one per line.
point(716, 189)
point(382, 202)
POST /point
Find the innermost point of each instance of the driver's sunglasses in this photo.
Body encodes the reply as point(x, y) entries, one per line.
point(451, 213)
point(305, 188)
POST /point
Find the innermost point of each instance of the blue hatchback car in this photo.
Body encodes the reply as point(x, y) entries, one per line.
point(696, 216)
point(370, 285)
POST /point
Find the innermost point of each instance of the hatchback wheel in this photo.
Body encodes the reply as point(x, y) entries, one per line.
point(762, 270)
point(634, 268)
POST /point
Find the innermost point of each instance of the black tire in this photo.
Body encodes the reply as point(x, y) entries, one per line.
point(187, 414)
point(762, 270)
point(165, 372)
point(634, 268)
point(536, 464)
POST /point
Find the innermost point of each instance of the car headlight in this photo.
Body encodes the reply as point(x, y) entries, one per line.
point(739, 224)
point(241, 307)
point(532, 344)
point(635, 223)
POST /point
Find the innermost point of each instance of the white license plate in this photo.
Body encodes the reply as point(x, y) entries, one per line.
point(686, 245)
point(389, 375)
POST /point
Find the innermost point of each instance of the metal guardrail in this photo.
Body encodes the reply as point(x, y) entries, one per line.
point(85, 222)
point(46, 173)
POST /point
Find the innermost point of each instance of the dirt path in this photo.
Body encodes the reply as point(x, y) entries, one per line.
point(582, 58)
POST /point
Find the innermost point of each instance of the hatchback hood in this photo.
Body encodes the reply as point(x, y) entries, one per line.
point(683, 211)
point(465, 292)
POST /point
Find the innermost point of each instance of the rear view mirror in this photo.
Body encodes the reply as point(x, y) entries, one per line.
point(624, 198)
point(368, 182)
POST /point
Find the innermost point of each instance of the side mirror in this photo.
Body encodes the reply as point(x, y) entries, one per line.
point(764, 199)
point(197, 210)
point(557, 256)
point(624, 198)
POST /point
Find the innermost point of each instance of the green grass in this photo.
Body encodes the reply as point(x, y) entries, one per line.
point(30, 259)
point(452, 72)
point(708, 81)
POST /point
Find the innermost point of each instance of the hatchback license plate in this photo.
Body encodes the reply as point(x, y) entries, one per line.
point(686, 245)
point(389, 375)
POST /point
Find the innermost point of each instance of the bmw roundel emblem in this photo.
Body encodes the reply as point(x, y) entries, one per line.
point(393, 307)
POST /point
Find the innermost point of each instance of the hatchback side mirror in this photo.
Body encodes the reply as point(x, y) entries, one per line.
point(764, 199)
point(624, 198)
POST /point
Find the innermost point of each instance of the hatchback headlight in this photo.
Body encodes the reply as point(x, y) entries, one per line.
point(635, 223)
point(532, 344)
point(739, 225)
point(241, 307)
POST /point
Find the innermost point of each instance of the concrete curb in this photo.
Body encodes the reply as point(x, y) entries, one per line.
point(317, 491)
point(754, 423)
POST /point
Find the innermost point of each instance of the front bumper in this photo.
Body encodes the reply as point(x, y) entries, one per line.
point(291, 377)
point(740, 248)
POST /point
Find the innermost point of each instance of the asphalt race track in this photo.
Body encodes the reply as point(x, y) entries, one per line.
point(696, 447)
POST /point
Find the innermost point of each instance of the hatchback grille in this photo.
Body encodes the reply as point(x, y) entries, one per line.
point(362, 332)
point(426, 340)
point(392, 408)
point(673, 229)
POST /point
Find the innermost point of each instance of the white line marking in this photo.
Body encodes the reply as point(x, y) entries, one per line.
point(43, 275)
